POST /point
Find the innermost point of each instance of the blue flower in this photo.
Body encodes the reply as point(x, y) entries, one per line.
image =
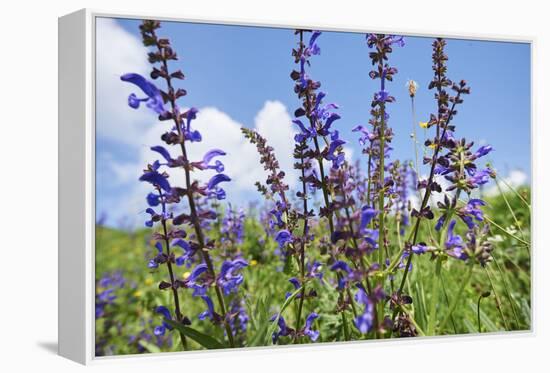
point(454, 243)
point(153, 199)
point(161, 329)
point(472, 211)
point(190, 134)
point(283, 237)
point(482, 151)
point(306, 132)
point(188, 251)
point(313, 48)
point(312, 334)
point(365, 321)
point(205, 163)
point(216, 179)
point(228, 279)
point(480, 177)
point(150, 211)
point(343, 267)
point(210, 313)
point(157, 179)
point(419, 249)
point(367, 214)
point(153, 100)
point(440, 222)
point(283, 329)
point(337, 159)
point(164, 153)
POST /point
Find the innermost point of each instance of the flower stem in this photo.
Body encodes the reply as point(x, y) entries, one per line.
point(434, 297)
point(189, 191)
point(458, 297)
point(303, 244)
point(175, 295)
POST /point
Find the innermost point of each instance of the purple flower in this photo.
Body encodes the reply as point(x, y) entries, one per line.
point(153, 100)
point(452, 239)
point(480, 177)
point(472, 211)
point(216, 179)
point(228, 279)
point(210, 313)
point(284, 330)
point(153, 199)
point(339, 158)
point(157, 179)
point(283, 237)
point(205, 163)
point(367, 214)
point(313, 48)
point(454, 243)
point(188, 251)
point(365, 321)
point(161, 329)
point(312, 334)
point(190, 134)
point(419, 248)
point(343, 267)
point(484, 150)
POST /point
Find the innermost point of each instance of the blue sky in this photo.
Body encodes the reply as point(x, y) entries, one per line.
point(237, 69)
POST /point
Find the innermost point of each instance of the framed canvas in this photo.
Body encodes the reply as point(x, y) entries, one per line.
point(227, 185)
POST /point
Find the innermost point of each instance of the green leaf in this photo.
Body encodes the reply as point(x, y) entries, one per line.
point(149, 347)
point(203, 339)
point(273, 326)
point(261, 323)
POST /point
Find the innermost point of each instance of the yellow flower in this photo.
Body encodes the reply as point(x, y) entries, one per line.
point(186, 275)
point(431, 146)
point(137, 294)
point(423, 124)
point(253, 262)
point(149, 281)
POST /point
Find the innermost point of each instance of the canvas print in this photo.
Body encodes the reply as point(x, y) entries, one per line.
point(262, 186)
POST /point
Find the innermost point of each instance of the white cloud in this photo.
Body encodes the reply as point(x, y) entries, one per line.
point(219, 130)
point(118, 52)
point(515, 178)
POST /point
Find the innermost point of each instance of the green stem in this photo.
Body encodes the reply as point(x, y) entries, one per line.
point(435, 297)
point(497, 299)
point(458, 297)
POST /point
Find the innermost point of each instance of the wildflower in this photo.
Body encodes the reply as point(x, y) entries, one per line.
point(454, 244)
point(365, 321)
point(161, 329)
point(228, 279)
point(419, 248)
point(205, 163)
point(153, 100)
point(472, 211)
point(367, 214)
point(423, 124)
point(284, 330)
point(312, 334)
point(283, 237)
point(210, 313)
point(155, 178)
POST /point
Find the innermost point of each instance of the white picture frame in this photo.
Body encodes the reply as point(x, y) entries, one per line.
point(77, 168)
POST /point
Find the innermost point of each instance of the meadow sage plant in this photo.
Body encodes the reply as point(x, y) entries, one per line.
point(172, 236)
point(345, 250)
